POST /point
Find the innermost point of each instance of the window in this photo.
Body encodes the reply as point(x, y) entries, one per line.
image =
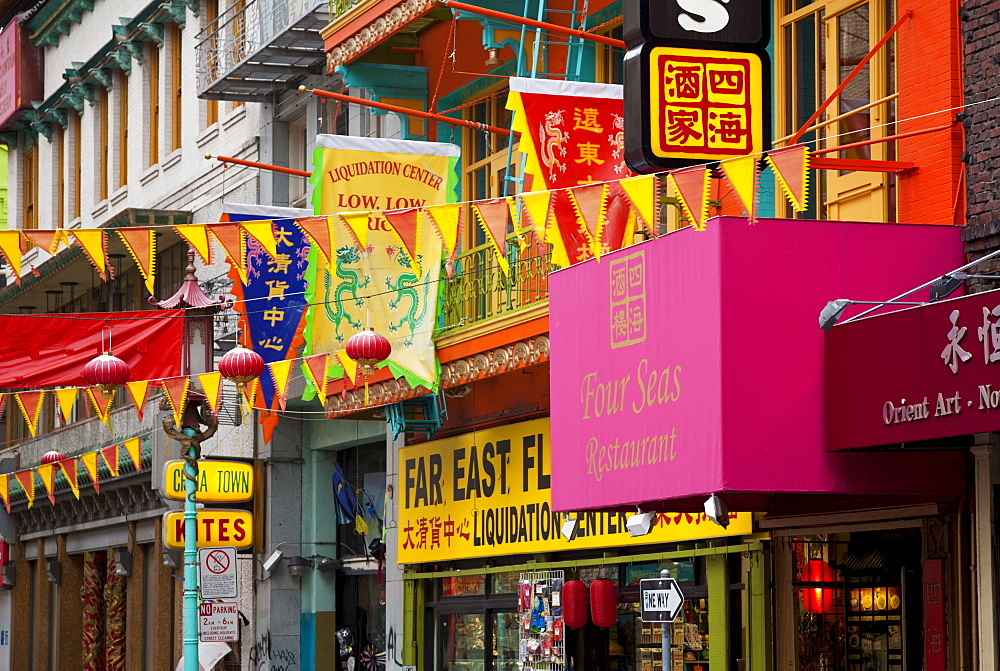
point(176, 82)
point(153, 82)
point(818, 44)
point(609, 65)
point(29, 193)
point(488, 160)
point(103, 150)
point(298, 141)
point(123, 82)
point(59, 149)
point(76, 166)
point(211, 17)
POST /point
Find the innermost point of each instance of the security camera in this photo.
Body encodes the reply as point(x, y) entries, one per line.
point(273, 560)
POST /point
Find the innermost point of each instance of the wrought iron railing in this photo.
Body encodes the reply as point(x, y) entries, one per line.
point(479, 290)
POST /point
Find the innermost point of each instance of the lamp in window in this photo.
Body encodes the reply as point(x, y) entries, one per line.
point(818, 598)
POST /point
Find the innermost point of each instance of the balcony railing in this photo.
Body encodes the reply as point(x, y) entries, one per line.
point(480, 290)
point(340, 7)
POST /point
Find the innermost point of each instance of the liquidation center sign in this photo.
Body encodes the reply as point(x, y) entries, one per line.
point(488, 493)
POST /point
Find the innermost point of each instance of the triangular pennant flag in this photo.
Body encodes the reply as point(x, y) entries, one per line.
point(66, 399)
point(280, 371)
point(619, 219)
point(262, 232)
point(230, 236)
point(692, 185)
point(176, 389)
point(95, 244)
point(742, 174)
point(642, 192)
point(5, 490)
point(30, 403)
point(133, 446)
point(357, 224)
point(141, 244)
point(250, 392)
point(101, 402)
point(268, 421)
point(791, 166)
point(536, 204)
point(493, 215)
point(89, 461)
point(10, 245)
point(589, 202)
point(318, 230)
point(404, 224)
point(68, 467)
point(27, 481)
point(211, 387)
point(569, 243)
point(349, 364)
point(47, 473)
point(315, 368)
point(110, 454)
point(46, 239)
point(196, 235)
point(447, 219)
point(139, 391)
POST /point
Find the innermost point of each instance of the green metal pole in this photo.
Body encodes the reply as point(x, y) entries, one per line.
point(190, 558)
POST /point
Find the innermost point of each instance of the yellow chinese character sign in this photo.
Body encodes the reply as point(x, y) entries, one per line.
point(705, 104)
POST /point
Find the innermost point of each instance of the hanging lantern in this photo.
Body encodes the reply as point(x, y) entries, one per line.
point(369, 349)
point(106, 372)
point(818, 599)
point(603, 604)
point(52, 456)
point(241, 365)
point(574, 603)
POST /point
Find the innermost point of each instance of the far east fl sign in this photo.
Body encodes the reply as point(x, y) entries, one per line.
point(697, 82)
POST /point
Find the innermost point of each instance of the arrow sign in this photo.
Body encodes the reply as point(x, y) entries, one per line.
point(662, 599)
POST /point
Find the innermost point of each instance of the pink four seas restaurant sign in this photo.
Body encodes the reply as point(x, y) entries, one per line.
point(919, 374)
point(693, 364)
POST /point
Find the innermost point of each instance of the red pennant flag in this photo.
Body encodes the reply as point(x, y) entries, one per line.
point(46, 239)
point(571, 236)
point(494, 214)
point(68, 467)
point(176, 389)
point(791, 166)
point(404, 222)
point(317, 365)
point(589, 203)
point(110, 454)
point(101, 402)
point(618, 209)
point(27, 481)
point(231, 237)
point(318, 230)
point(141, 244)
point(30, 403)
point(692, 186)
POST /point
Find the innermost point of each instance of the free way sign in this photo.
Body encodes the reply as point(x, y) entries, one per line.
point(662, 599)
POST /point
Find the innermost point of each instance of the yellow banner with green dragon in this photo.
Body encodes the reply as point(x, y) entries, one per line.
point(386, 257)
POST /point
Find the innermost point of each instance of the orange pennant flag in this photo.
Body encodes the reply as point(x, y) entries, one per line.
point(196, 235)
point(134, 448)
point(89, 461)
point(176, 389)
point(280, 371)
point(590, 201)
point(101, 403)
point(232, 239)
point(493, 217)
point(47, 472)
point(10, 245)
point(5, 490)
point(349, 364)
point(66, 399)
point(27, 481)
point(211, 387)
point(30, 403)
point(139, 391)
point(404, 224)
point(110, 454)
point(263, 233)
point(692, 187)
point(791, 167)
point(318, 230)
point(46, 239)
point(315, 368)
point(68, 467)
point(95, 244)
point(141, 244)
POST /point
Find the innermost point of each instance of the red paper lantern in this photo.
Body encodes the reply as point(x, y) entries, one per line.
point(574, 603)
point(369, 349)
point(106, 372)
point(818, 599)
point(603, 604)
point(52, 456)
point(241, 365)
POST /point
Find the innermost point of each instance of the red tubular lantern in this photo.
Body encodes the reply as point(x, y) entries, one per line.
point(106, 372)
point(369, 349)
point(52, 456)
point(241, 365)
point(574, 603)
point(818, 599)
point(603, 605)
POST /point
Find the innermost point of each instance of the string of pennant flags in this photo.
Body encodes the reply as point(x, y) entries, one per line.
point(592, 208)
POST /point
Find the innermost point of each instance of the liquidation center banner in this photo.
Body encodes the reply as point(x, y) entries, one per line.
point(487, 493)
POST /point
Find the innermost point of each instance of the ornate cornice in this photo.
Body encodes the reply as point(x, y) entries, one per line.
point(453, 373)
point(373, 33)
point(113, 501)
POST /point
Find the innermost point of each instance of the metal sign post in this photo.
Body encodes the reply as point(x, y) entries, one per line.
point(662, 601)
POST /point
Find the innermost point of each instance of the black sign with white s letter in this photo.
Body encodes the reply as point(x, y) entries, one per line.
point(697, 22)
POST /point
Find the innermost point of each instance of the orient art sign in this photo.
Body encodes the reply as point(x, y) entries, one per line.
point(697, 81)
point(919, 374)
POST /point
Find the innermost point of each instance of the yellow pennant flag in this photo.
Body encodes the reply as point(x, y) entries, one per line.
point(68, 467)
point(211, 387)
point(280, 371)
point(5, 490)
point(537, 205)
point(447, 221)
point(349, 364)
point(47, 472)
point(133, 446)
point(742, 174)
point(138, 390)
point(95, 244)
point(357, 222)
point(262, 232)
point(67, 399)
point(197, 236)
point(10, 245)
point(89, 461)
point(642, 192)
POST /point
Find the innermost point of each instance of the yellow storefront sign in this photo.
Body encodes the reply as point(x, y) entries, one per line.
point(216, 527)
point(488, 494)
point(218, 481)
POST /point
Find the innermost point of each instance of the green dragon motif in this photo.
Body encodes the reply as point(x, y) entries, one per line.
point(403, 286)
point(349, 286)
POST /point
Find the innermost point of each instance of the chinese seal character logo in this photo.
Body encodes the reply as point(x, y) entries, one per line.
point(628, 300)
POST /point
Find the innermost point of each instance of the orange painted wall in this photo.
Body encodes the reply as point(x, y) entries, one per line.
point(929, 81)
